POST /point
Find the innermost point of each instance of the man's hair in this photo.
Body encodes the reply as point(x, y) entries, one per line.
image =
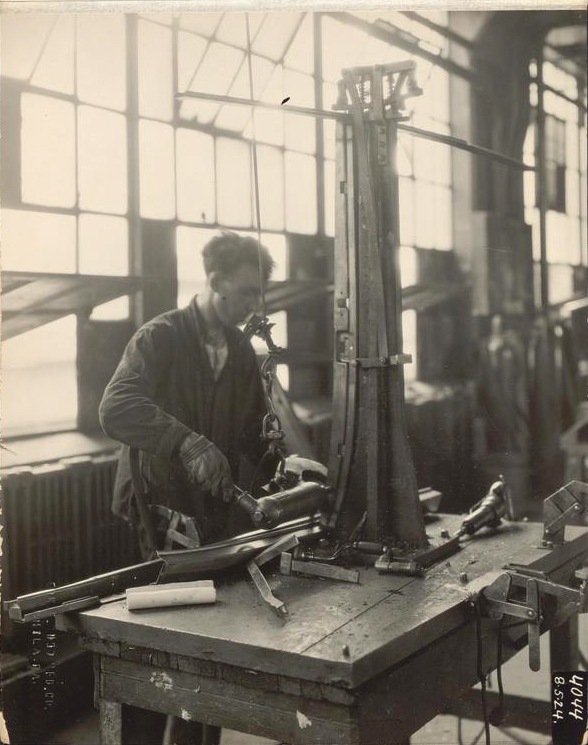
point(226, 252)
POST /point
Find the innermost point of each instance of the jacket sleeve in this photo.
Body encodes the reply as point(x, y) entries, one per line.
point(128, 411)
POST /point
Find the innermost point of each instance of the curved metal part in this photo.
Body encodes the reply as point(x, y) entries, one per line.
point(235, 551)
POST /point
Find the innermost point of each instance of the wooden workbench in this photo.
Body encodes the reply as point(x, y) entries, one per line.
point(368, 663)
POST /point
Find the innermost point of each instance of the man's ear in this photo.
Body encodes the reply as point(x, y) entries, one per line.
point(214, 280)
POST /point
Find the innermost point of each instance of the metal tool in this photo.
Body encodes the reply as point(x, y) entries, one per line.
point(288, 566)
point(498, 601)
point(303, 499)
point(489, 511)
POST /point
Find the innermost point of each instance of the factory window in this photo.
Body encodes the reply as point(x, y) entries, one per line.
point(424, 167)
point(39, 386)
point(555, 163)
point(565, 187)
point(73, 137)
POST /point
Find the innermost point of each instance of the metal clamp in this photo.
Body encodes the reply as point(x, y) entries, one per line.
point(498, 601)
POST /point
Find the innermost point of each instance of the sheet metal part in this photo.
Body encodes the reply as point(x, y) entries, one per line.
point(101, 585)
point(235, 551)
point(265, 591)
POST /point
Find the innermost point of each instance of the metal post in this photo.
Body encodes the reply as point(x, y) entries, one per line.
point(371, 464)
point(541, 185)
point(134, 214)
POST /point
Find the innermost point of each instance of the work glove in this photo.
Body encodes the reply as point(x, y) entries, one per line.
point(207, 466)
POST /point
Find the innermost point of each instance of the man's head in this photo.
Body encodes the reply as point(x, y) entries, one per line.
point(232, 264)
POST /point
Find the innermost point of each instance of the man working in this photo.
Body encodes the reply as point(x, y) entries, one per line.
point(188, 394)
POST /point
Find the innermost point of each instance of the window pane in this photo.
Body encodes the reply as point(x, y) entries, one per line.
point(557, 237)
point(233, 29)
point(425, 219)
point(329, 139)
point(341, 46)
point(22, 38)
point(276, 245)
point(432, 161)
point(301, 194)
point(191, 274)
point(233, 169)
point(101, 59)
point(237, 117)
point(115, 310)
point(300, 56)
point(191, 49)
point(155, 71)
point(219, 67)
point(270, 164)
point(561, 283)
point(201, 23)
point(55, 68)
point(572, 192)
point(195, 176)
point(156, 170)
point(275, 33)
point(102, 169)
point(300, 133)
point(104, 245)
point(38, 241)
point(48, 151)
point(39, 381)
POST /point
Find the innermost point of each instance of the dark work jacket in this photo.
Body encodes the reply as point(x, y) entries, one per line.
point(163, 389)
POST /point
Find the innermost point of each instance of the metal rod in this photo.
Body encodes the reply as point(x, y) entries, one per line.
point(541, 184)
point(304, 110)
point(344, 116)
point(465, 145)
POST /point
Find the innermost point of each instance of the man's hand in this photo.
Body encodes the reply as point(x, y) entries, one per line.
point(207, 466)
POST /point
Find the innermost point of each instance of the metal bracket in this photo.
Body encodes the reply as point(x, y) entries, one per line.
point(498, 601)
point(367, 362)
point(288, 566)
point(571, 501)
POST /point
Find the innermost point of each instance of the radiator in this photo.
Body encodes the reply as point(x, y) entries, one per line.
point(58, 526)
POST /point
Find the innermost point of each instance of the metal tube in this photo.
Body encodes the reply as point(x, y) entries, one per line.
point(344, 116)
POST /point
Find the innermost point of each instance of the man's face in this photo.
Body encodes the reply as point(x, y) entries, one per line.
point(236, 296)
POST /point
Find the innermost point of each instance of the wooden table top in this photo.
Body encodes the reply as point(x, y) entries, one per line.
point(380, 622)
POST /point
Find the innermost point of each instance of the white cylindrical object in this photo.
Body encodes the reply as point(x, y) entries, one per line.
point(177, 593)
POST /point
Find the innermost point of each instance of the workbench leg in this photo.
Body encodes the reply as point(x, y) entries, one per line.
point(110, 723)
point(563, 645)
